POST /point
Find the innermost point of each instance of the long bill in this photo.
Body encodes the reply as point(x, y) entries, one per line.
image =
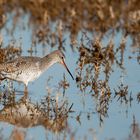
point(67, 69)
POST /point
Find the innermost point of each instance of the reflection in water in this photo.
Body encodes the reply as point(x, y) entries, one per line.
point(108, 36)
point(17, 134)
point(63, 84)
point(94, 60)
point(123, 94)
point(134, 130)
point(25, 114)
point(102, 105)
point(21, 113)
point(138, 97)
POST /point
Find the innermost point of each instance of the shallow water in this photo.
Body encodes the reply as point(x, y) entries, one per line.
point(82, 113)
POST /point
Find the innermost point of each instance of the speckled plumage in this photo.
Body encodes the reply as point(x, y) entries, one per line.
point(26, 69)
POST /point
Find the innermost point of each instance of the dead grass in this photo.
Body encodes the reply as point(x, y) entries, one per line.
point(91, 15)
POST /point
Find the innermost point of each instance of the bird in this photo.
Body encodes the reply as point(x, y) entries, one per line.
point(28, 68)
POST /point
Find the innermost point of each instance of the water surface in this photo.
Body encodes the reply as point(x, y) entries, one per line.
point(101, 103)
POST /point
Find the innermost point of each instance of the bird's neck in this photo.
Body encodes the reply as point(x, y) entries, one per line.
point(47, 62)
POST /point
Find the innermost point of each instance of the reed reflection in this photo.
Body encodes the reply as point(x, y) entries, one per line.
point(49, 113)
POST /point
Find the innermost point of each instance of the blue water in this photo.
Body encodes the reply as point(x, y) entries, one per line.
point(120, 116)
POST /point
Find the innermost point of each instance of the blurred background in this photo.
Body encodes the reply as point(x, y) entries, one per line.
point(101, 43)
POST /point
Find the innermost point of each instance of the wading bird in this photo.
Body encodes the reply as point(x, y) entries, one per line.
point(26, 69)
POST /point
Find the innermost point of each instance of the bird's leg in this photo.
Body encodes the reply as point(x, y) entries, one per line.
point(25, 91)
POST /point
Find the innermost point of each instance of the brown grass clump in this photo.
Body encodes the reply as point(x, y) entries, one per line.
point(9, 52)
point(103, 14)
point(93, 57)
point(94, 16)
point(23, 113)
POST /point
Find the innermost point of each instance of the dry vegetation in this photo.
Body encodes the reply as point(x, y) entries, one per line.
point(101, 18)
point(50, 113)
point(74, 16)
point(23, 113)
point(96, 15)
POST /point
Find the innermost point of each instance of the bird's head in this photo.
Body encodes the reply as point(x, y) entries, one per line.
point(60, 57)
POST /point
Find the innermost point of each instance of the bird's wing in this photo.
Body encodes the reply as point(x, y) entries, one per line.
point(16, 64)
point(11, 66)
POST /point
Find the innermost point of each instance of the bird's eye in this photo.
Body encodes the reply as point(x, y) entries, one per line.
point(62, 57)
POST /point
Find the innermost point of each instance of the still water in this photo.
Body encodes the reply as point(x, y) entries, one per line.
point(56, 106)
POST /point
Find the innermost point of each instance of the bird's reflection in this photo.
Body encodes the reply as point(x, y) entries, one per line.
point(25, 113)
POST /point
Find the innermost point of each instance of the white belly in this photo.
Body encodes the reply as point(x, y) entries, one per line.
point(25, 77)
point(31, 76)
